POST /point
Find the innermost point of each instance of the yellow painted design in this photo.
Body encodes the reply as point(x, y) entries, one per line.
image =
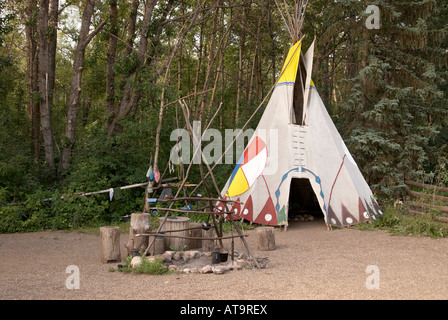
point(312, 83)
point(289, 70)
point(239, 184)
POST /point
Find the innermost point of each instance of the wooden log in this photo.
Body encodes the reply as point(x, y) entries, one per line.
point(157, 243)
point(189, 211)
point(427, 196)
point(425, 185)
point(172, 224)
point(110, 244)
point(195, 233)
point(438, 218)
point(140, 223)
point(207, 240)
point(194, 238)
point(427, 206)
point(199, 199)
point(266, 238)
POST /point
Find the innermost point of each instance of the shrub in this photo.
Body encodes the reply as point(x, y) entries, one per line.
point(398, 222)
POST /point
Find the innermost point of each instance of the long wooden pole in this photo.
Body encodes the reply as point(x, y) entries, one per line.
point(198, 199)
point(220, 196)
point(186, 237)
point(180, 188)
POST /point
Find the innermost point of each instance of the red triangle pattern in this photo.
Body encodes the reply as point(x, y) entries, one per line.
point(268, 215)
point(362, 210)
point(248, 211)
point(220, 207)
point(347, 218)
point(332, 219)
point(236, 209)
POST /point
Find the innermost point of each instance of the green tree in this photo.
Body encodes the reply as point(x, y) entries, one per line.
point(396, 105)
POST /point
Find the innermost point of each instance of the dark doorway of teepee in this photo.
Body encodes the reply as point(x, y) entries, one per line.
point(303, 203)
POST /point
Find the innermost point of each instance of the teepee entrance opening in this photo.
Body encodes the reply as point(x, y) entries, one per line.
point(303, 203)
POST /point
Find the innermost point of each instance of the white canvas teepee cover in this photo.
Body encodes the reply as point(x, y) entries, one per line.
point(285, 147)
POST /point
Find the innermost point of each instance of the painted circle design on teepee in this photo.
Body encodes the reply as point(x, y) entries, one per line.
point(268, 217)
point(366, 215)
point(349, 220)
point(246, 211)
point(333, 220)
point(249, 167)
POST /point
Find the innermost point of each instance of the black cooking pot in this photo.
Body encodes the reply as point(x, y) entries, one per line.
point(206, 226)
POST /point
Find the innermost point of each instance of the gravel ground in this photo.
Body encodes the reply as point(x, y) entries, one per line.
point(309, 263)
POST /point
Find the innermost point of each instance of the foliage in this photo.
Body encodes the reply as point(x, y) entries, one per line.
point(398, 222)
point(396, 105)
point(385, 89)
point(156, 267)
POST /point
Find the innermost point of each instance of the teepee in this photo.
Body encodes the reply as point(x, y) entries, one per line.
point(296, 151)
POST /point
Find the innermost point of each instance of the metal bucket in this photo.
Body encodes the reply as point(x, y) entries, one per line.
point(216, 257)
point(223, 256)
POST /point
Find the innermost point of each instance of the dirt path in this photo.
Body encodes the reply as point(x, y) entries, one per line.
point(308, 263)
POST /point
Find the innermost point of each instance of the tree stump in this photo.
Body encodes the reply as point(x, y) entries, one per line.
point(110, 244)
point(172, 224)
point(208, 245)
point(140, 223)
point(266, 238)
point(197, 233)
point(158, 245)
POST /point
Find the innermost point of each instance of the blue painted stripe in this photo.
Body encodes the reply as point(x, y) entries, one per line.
point(238, 165)
point(285, 82)
point(317, 179)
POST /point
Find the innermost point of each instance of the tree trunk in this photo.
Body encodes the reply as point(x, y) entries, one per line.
point(46, 75)
point(242, 42)
point(198, 65)
point(111, 54)
point(211, 60)
point(256, 54)
point(131, 27)
point(75, 88)
point(130, 96)
point(32, 77)
point(52, 45)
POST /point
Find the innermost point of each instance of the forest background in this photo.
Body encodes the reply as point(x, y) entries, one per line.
point(89, 91)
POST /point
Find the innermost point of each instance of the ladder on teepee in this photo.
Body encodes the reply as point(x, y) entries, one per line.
point(298, 154)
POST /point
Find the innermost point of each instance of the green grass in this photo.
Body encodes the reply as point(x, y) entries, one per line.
point(398, 222)
point(156, 268)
